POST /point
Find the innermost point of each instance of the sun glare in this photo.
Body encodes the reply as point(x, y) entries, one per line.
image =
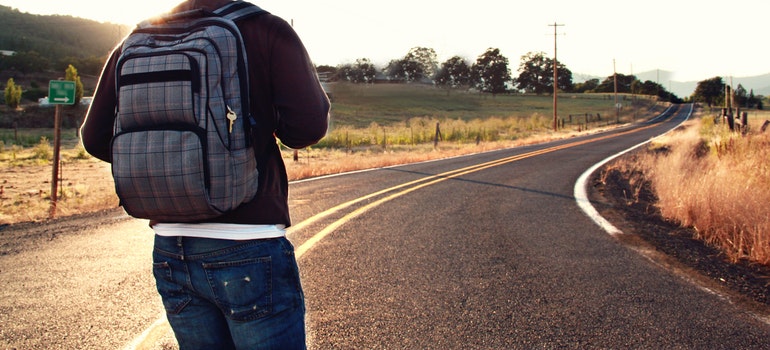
point(585, 44)
point(121, 12)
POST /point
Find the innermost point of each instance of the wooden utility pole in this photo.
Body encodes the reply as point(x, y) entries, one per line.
point(555, 75)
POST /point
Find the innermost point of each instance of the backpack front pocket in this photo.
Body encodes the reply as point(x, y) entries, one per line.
point(162, 174)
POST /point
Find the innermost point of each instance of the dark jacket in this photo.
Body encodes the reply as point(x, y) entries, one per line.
point(287, 101)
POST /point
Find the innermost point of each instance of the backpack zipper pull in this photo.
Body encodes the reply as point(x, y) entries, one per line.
point(231, 116)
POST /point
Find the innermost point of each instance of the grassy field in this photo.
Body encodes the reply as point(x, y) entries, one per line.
point(367, 115)
point(358, 105)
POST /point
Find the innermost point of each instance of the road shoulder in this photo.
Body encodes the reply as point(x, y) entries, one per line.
point(674, 247)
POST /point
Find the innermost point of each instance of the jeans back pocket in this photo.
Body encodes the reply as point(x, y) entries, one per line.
point(243, 288)
point(174, 297)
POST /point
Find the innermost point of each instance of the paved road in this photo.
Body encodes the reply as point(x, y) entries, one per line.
point(76, 283)
point(477, 252)
point(497, 256)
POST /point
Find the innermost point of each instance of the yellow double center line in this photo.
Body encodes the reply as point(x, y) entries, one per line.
point(411, 186)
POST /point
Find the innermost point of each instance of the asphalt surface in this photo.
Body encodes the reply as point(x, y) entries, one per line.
point(76, 283)
point(476, 252)
point(502, 257)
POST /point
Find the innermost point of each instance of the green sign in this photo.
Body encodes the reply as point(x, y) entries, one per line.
point(61, 92)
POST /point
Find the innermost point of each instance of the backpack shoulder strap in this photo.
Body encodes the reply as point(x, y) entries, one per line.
point(236, 10)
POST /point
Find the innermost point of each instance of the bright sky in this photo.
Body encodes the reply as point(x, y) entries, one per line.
point(695, 40)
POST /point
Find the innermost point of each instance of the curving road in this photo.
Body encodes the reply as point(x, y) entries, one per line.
point(476, 252)
point(492, 251)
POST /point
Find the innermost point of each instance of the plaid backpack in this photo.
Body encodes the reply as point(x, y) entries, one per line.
point(181, 150)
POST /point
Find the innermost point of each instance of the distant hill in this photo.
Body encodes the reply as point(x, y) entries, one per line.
point(760, 84)
point(665, 79)
point(57, 37)
point(59, 41)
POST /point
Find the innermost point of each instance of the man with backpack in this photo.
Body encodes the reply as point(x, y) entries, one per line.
point(187, 110)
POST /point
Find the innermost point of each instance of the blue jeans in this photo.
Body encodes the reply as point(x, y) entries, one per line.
point(221, 294)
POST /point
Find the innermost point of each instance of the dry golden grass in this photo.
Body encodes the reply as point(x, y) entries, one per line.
point(319, 162)
point(86, 186)
point(716, 181)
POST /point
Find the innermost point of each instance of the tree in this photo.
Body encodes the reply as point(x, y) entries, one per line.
point(649, 87)
point(741, 96)
point(395, 70)
point(586, 86)
point(88, 65)
point(425, 59)
point(418, 64)
point(491, 71)
point(330, 73)
point(533, 74)
point(709, 91)
point(536, 74)
point(752, 101)
point(362, 72)
point(565, 77)
point(455, 72)
point(12, 94)
point(28, 62)
point(71, 74)
point(624, 83)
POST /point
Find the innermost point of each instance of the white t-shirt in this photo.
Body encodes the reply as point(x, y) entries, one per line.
point(220, 230)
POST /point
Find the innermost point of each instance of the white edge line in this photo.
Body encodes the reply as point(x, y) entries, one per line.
point(139, 342)
point(581, 185)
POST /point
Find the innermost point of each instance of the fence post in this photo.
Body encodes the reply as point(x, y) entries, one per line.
point(437, 136)
point(745, 122)
point(384, 138)
point(348, 143)
point(723, 115)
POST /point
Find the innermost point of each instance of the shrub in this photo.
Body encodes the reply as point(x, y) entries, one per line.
point(43, 150)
